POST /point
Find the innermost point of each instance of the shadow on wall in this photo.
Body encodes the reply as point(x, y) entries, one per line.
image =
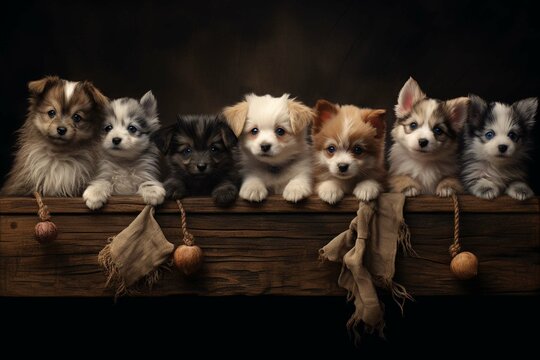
point(199, 57)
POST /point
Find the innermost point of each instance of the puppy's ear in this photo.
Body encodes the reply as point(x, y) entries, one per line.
point(301, 116)
point(325, 110)
point(457, 110)
point(377, 119)
point(409, 95)
point(526, 110)
point(163, 138)
point(149, 104)
point(99, 99)
point(38, 87)
point(227, 135)
point(236, 116)
point(477, 110)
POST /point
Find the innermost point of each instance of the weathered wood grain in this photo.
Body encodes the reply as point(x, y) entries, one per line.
point(268, 252)
point(274, 204)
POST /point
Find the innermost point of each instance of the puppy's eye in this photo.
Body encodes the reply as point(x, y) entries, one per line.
point(437, 130)
point(51, 113)
point(331, 149)
point(214, 149)
point(413, 125)
point(358, 150)
point(186, 151)
point(490, 134)
point(254, 131)
point(132, 129)
point(108, 128)
point(280, 131)
point(76, 118)
point(513, 136)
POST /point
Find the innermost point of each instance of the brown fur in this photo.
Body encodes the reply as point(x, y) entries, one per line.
point(400, 183)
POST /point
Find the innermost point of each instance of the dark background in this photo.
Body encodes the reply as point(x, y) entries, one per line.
point(202, 55)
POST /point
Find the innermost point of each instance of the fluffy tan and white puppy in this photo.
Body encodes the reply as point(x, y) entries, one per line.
point(275, 154)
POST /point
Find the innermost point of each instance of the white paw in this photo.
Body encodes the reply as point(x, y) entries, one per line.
point(296, 190)
point(330, 192)
point(253, 190)
point(152, 194)
point(411, 191)
point(95, 197)
point(445, 191)
point(519, 191)
point(485, 189)
point(367, 190)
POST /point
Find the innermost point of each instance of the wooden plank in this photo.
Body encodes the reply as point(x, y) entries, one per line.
point(259, 254)
point(274, 204)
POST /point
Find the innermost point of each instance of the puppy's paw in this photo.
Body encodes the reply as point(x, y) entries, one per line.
point(519, 191)
point(175, 190)
point(411, 191)
point(152, 194)
point(445, 191)
point(297, 190)
point(367, 190)
point(330, 192)
point(95, 197)
point(485, 189)
point(253, 190)
point(225, 195)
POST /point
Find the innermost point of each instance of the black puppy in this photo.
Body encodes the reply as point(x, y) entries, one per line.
point(199, 153)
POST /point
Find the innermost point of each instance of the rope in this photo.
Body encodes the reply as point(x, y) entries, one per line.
point(188, 238)
point(43, 211)
point(455, 248)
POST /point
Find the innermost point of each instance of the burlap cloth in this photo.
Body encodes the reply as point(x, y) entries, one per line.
point(136, 254)
point(367, 251)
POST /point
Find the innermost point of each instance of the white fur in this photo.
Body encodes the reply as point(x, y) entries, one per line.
point(292, 155)
point(69, 88)
point(132, 166)
point(330, 191)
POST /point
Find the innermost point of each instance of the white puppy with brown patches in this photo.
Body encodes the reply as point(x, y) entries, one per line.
point(275, 154)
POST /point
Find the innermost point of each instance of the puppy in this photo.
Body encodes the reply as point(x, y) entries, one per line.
point(129, 161)
point(497, 140)
point(274, 150)
point(423, 158)
point(57, 143)
point(199, 154)
point(349, 145)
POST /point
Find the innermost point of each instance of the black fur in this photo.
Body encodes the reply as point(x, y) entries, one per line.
point(200, 134)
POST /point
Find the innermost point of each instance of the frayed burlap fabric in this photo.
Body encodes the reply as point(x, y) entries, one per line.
point(136, 255)
point(367, 251)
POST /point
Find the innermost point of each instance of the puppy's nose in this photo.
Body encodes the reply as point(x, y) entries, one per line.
point(502, 148)
point(265, 147)
point(423, 142)
point(116, 140)
point(343, 167)
point(201, 166)
point(61, 130)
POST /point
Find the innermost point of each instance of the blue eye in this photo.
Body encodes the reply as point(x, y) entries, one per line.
point(186, 151)
point(357, 150)
point(76, 118)
point(437, 130)
point(108, 128)
point(489, 135)
point(331, 149)
point(51, 113)
point(513, 136)
point(254, 131)
point(413, 125)
point(280, 131)
point(132, 129)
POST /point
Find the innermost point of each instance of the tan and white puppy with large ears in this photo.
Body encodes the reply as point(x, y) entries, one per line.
point(275, 154)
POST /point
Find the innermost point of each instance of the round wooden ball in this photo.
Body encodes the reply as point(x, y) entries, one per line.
point(46, 232)
point(188, 259)
point(464, 265)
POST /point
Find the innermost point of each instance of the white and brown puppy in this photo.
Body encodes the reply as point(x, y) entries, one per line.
point(129, 162)
point(423, 157)
point(274, 151)
point(349, 148)
point(57, 144)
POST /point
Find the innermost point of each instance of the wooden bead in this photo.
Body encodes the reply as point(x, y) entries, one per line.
point(188, 259)
point(46, 232)
point(464, 265)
